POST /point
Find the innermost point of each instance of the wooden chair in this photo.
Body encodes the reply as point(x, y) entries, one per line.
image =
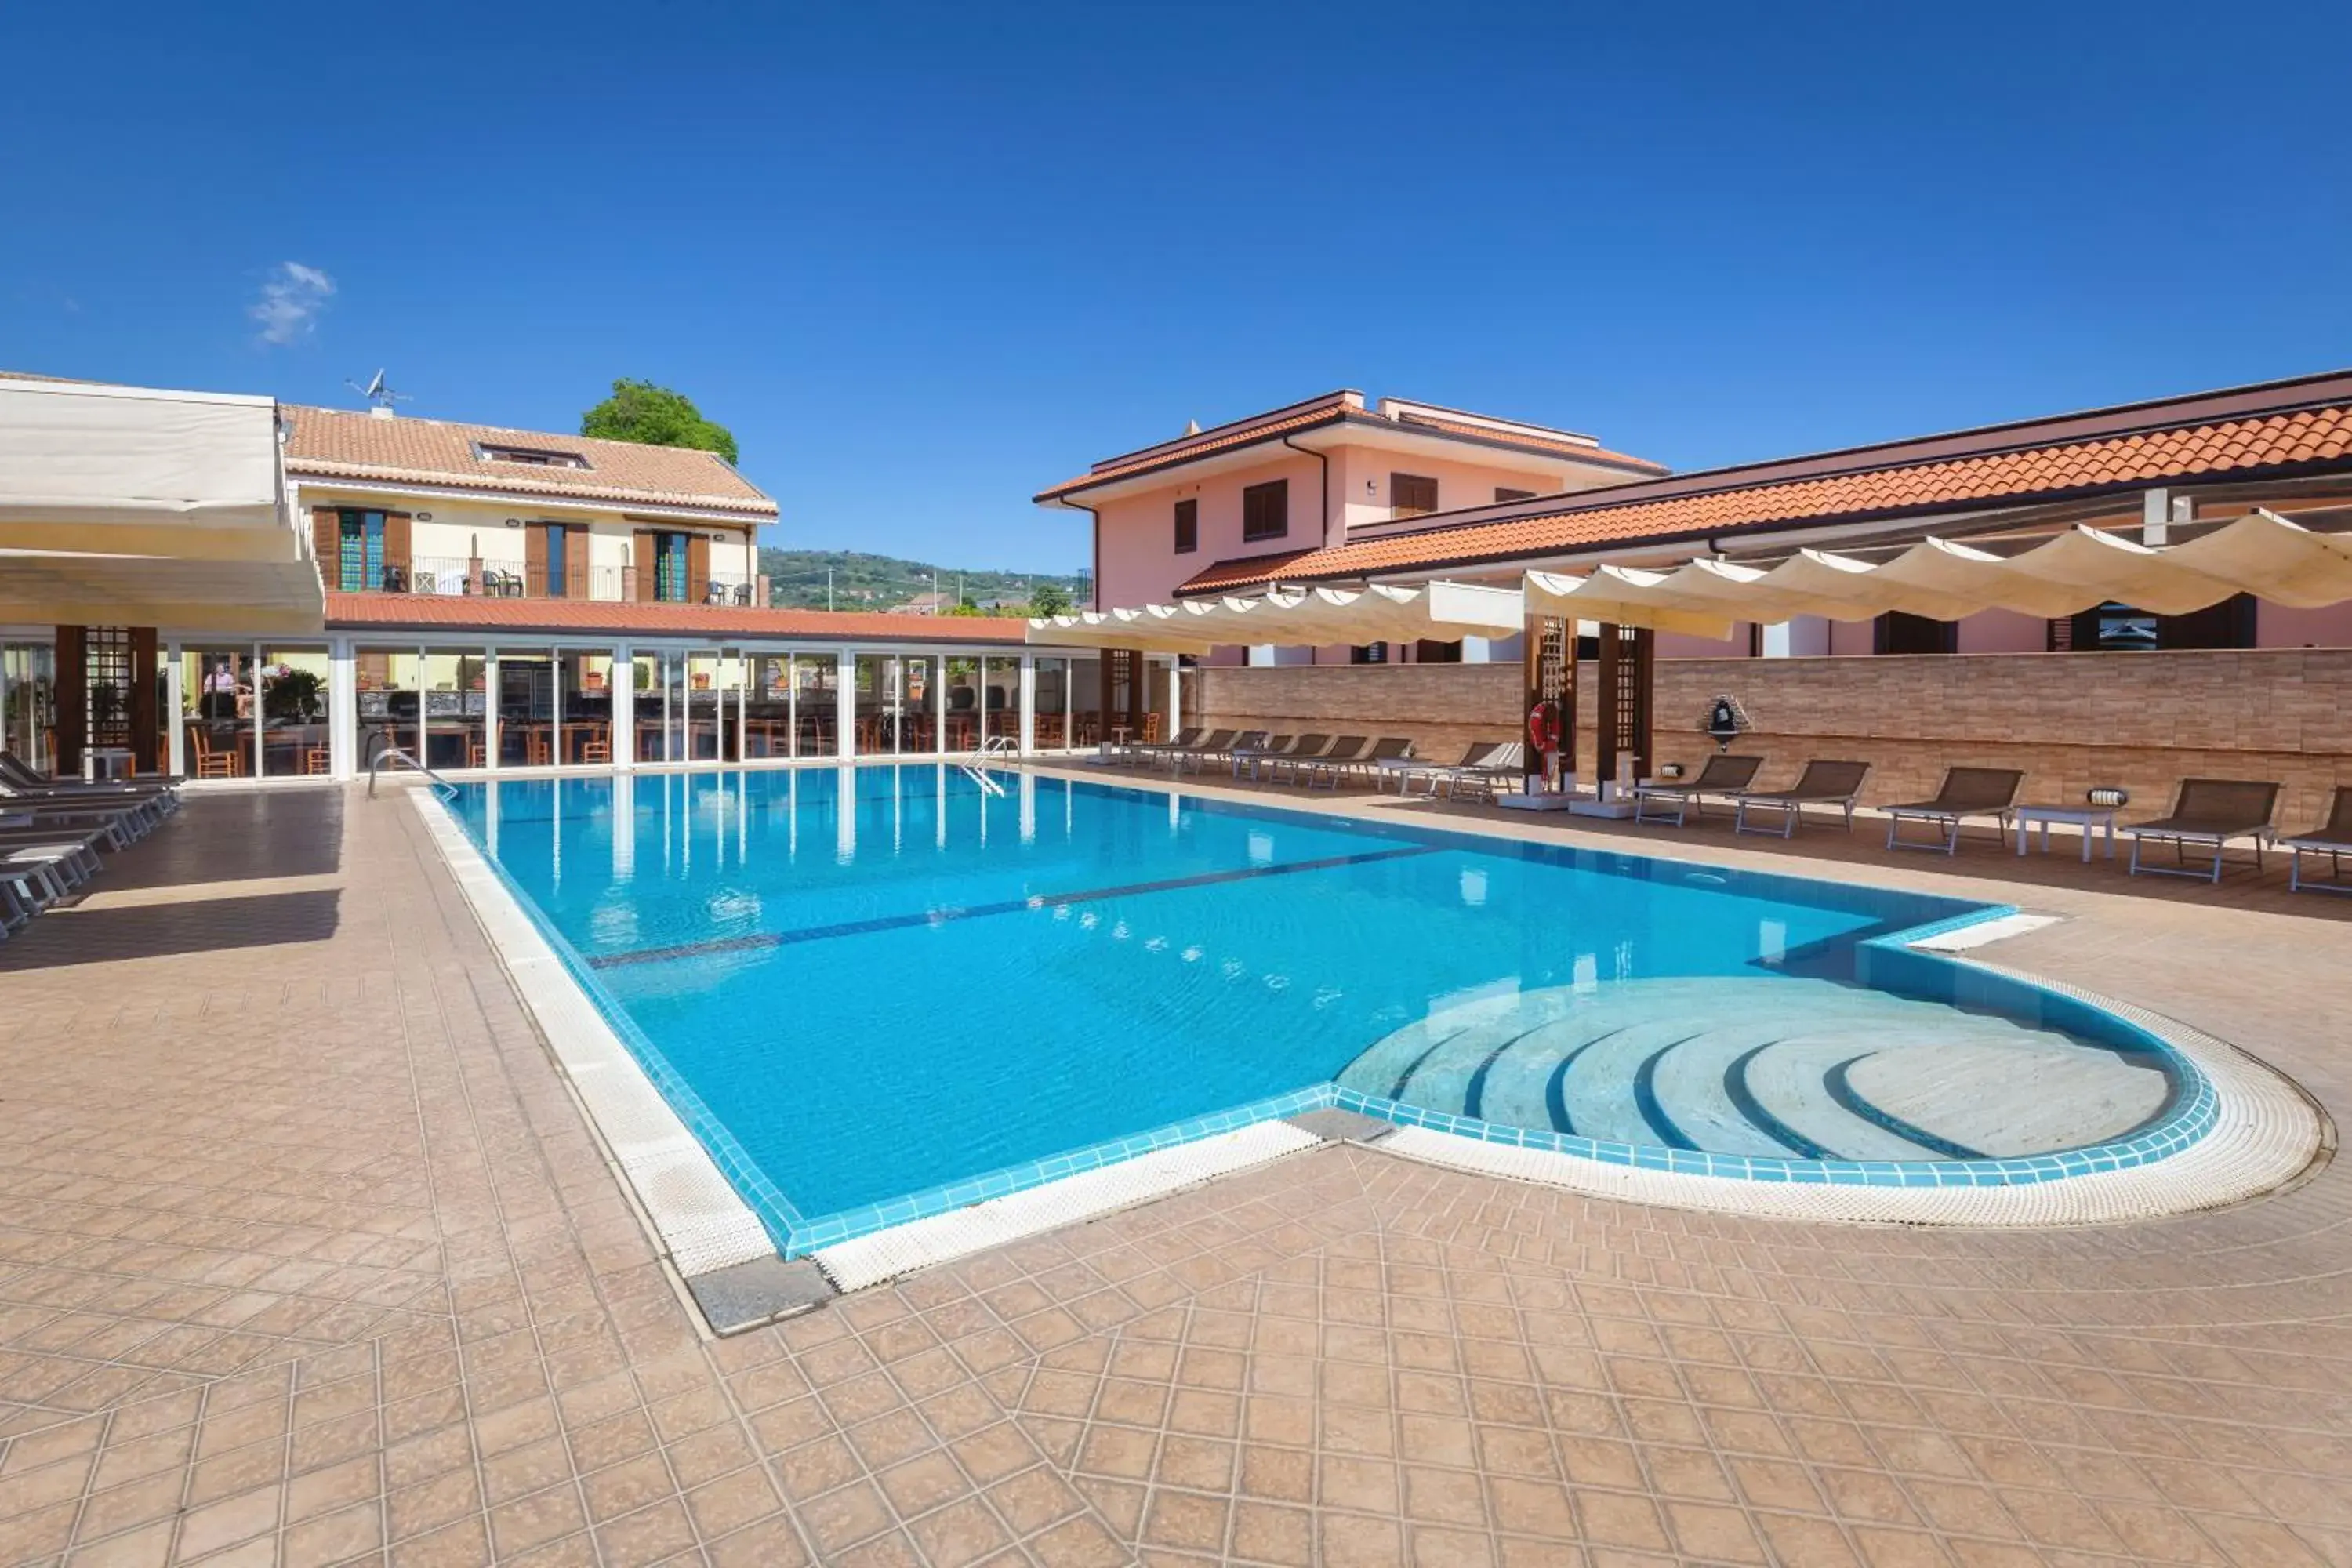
point(596, 746)
point(212, 764)
point(315, 760)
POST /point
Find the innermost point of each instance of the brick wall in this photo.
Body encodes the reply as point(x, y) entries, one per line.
point(2140, 720)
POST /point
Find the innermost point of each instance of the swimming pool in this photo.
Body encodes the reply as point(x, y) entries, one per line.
point(875, 993)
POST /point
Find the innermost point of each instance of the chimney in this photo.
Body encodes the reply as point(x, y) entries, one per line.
point(380, 411)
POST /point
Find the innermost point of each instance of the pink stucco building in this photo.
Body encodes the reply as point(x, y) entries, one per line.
point(1258, 492)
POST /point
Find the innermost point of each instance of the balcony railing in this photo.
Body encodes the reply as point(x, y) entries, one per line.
point(456, 576)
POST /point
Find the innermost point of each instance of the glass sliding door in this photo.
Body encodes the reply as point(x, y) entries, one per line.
point(817, 705)
point(294, 712)
point(1053, 715)
point(27, 721)
point(768, 724)
point(1001, 700)
point(217, 699)
point(584, 702)
point(1086, 700)
point(964, 697)
point(527, 716)
point(457, 702)
point(388, 684)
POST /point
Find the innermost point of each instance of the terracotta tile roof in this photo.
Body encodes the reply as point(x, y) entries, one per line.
point(353, 612)
point(2309, 438)
point(1337, 408)
point(334, 443)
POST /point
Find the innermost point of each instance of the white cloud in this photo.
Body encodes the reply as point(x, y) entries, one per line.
point(291, 302)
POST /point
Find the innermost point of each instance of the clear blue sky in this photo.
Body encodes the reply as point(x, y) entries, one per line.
point(924, 261)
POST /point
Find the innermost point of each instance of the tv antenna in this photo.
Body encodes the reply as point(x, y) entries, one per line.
point(378, 395)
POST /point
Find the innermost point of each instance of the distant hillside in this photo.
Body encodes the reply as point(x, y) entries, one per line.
point(796, 580)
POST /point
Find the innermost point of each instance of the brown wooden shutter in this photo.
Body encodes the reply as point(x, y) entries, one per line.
point(643, 543)
point(575, 560)
point(697, 567)
point(534, 558)
point(397, 543)
point(326, 544)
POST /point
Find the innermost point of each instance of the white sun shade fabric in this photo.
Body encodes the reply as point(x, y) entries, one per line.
point(2260, 553)
point(130, 506)
point(1320, 616)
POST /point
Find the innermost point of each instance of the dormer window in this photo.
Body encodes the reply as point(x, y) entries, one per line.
point(532, 457)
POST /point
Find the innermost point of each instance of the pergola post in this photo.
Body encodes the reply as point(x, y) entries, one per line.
point(1550, 716)
point(1628, 689)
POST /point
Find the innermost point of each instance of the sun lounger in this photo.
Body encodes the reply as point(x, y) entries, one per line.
point(1341, 761)
point(123, 825)
point(1405, 770)
point(1506, 765)
point(2332, 838)
point(1212, 744)
point(1292, 756)
point(1724, 777)
point(1137, 751)
point(2208, 814)
point(44, 866)
point(1483, 763)
point(1821, 783)
point(1387, 748)
point(1967, 792)
point(15, 771)
point(15, 909)
point(1299, 762)
point(1266, 749)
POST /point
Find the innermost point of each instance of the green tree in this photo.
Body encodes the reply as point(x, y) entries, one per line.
point(656, 416)
point(1049, 599)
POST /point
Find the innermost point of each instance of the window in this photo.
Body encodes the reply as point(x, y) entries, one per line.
point(1265, 510)
point(536, 457)
point(1369, 653)
point(1188, 527)
point(1429, 650)
point(669, 568)
point(359, 557)
point(1411, 495)
point(559, 541)
point(1504, 493)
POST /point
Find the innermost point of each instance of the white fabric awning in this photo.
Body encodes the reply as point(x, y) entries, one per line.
point(130, 506)
point(1317, 616)
point(2260, 553)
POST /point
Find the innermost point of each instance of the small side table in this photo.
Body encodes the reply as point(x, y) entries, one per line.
point(2090, 818)
point(109, 762)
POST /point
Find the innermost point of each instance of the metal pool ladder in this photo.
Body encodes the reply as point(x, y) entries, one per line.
point(976, 765)
point(376, 761)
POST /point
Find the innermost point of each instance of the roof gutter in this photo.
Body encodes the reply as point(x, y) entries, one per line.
point(1095, 517)
point(1324, 458)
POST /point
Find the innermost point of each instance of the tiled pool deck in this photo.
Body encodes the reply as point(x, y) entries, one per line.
point(307, 1256)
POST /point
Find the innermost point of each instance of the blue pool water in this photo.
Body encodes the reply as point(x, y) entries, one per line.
point(879, 982)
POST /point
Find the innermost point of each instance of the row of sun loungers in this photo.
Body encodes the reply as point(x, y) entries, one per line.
point(51, 831)
point(2207, 816)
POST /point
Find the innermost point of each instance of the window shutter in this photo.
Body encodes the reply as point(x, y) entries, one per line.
point(326, 544)
point(534, 558)
point(643, 544)
point(397, 546)
point(697, 567)
point(575, 560)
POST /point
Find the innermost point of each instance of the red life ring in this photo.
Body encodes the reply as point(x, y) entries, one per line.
point(1543, 725)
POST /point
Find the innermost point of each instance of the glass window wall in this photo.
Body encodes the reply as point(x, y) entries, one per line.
point(387, 683)
point(294, 683)
point(1052, 716)
point(768, 724)
point(1086, 700)
point(965, 714)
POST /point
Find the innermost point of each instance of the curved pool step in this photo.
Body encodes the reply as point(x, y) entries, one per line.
point(1761, 1066)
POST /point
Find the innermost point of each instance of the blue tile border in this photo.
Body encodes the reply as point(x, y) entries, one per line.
point(2189, 1112)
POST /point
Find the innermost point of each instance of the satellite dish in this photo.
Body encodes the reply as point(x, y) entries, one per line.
point(378, 395)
